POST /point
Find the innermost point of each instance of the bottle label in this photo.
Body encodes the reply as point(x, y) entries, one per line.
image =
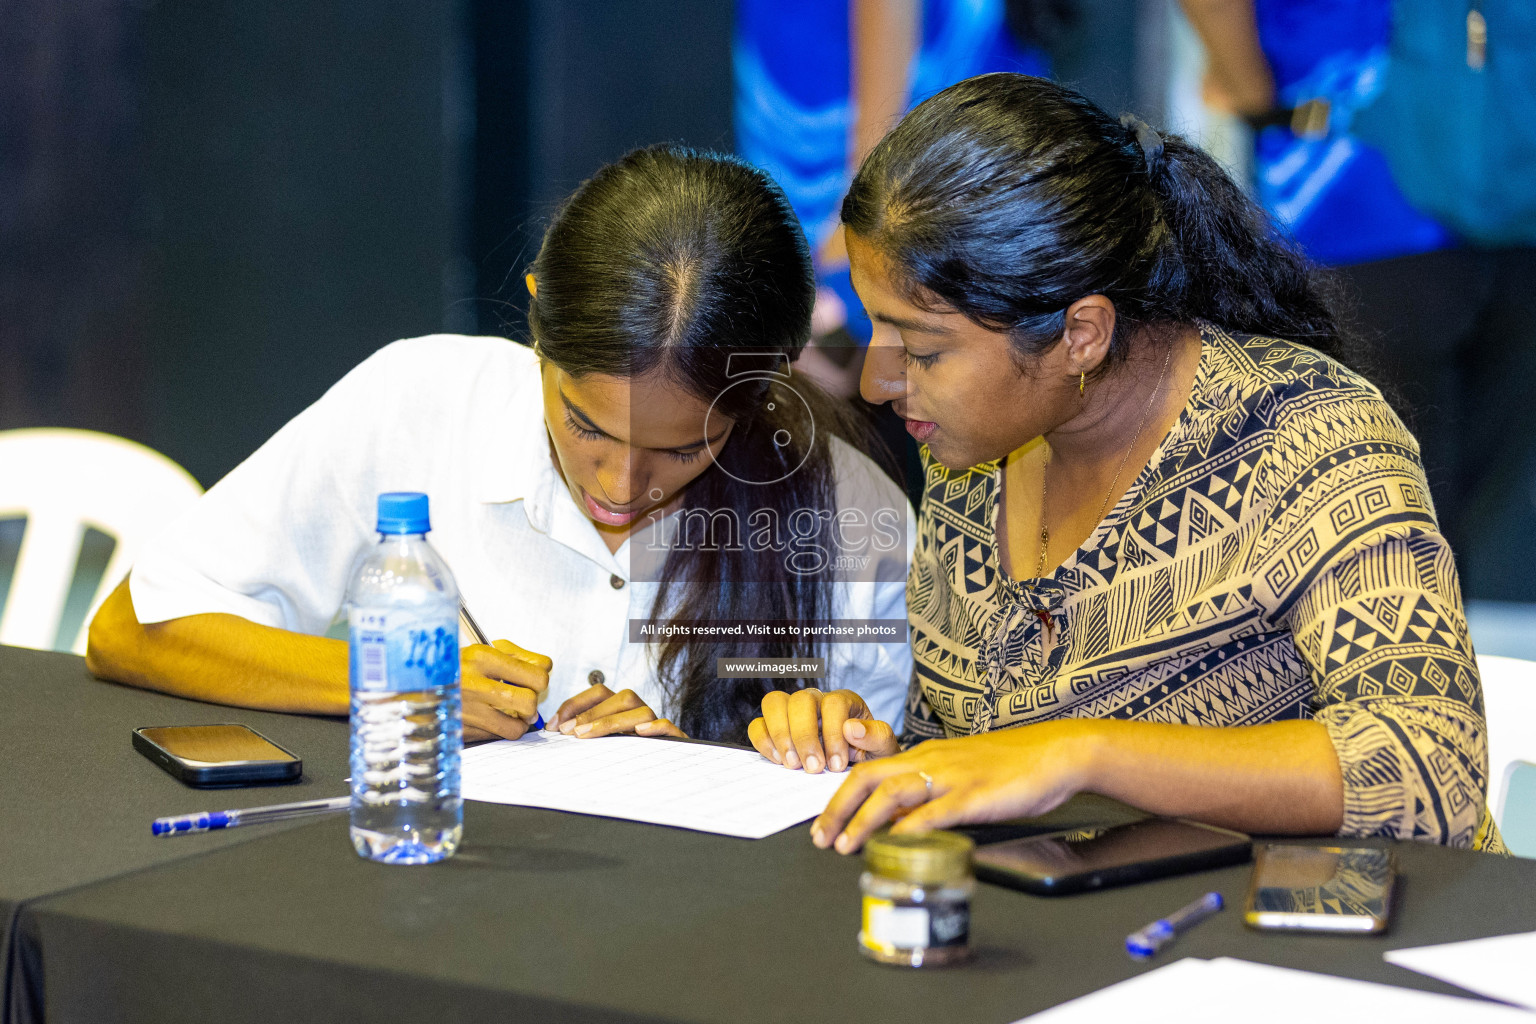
point(395, 652)
point(890, 926)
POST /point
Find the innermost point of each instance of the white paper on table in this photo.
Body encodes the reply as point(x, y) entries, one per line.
point(689, 785)
point(1501, 967)
point(1173, 992)
point(1224, 990)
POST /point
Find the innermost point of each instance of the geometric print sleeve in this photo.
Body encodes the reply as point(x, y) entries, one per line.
point(1354, 563)
point(1397, 689)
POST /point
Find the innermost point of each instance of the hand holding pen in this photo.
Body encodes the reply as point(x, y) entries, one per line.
point(501, 685)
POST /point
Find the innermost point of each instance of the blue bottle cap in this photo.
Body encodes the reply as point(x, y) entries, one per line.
point(403, 512)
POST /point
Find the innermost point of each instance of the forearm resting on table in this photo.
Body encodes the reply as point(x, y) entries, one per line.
point(1278, 778)
point(220, 658)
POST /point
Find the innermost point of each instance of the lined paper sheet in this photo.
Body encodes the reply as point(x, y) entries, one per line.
point(689, 785)
point(1500, 967)
point(1224, 990)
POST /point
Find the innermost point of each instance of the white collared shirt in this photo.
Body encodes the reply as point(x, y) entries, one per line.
point(462, 420)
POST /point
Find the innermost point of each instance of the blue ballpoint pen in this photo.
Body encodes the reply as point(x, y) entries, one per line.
point(1159, 933)
point(473, 629)
point(209, 821)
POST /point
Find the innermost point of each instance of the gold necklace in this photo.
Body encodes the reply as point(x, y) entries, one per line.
point(1045, 533)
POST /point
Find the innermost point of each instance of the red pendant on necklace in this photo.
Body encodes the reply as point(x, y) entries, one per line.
point(1045, 620)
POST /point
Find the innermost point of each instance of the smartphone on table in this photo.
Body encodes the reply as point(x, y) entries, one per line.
point(1321, 888)
point(1085, 859)
point(217, 755)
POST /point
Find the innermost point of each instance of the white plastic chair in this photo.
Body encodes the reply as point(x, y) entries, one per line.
point(1509, 700)
point(64, 481)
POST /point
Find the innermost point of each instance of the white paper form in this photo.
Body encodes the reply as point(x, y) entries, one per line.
point(1501, 967)
point(689, 785)
point(1224, 990)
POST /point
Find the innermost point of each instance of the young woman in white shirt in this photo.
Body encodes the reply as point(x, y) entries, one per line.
point(650, 461)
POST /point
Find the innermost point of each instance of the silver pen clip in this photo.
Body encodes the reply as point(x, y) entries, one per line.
point(470, 625)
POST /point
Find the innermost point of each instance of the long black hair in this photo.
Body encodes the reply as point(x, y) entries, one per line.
point(693, 265)
point(1008, 198)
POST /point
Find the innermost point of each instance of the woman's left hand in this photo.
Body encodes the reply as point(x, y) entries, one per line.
point(598, 711)
point(1011, 773)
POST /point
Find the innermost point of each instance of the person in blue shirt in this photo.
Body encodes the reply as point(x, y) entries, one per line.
point(1366, 115)
point(818, 82)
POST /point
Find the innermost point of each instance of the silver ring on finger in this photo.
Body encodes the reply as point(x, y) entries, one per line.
point(927, 781)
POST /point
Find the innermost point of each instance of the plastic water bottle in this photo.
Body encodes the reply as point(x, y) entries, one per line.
point(407, 730)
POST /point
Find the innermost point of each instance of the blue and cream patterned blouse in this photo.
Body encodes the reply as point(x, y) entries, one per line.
point(1278, 558)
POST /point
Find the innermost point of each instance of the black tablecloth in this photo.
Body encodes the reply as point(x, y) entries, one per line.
point(563, 917)
point(76, 799)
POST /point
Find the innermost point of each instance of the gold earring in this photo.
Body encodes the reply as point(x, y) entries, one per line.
point(1082, 379)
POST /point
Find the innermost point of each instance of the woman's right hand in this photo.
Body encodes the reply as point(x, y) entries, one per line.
point(816, 730)
point(501, 684)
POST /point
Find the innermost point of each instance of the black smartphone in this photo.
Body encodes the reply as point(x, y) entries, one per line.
point(217, 755)
point(1321, 888)
point(1099, 858)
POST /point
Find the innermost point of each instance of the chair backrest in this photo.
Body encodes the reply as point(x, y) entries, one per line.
point(66, 482)
point(1516, 813)
point(1509, 700)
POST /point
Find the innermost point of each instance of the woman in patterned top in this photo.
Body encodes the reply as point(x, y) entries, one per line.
point(1173, 549)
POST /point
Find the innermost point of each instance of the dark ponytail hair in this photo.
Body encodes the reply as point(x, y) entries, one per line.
point(672, 261)
point(1008, 198)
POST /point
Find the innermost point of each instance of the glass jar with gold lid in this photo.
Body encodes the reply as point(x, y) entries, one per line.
point(917, 898)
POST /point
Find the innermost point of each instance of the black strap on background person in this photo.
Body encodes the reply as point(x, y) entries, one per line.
point(1309, 120)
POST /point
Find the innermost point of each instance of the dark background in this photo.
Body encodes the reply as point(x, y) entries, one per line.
point(211, 210)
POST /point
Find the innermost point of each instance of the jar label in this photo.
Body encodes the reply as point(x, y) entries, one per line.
point(889, 926)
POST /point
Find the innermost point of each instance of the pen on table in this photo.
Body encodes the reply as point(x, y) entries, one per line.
point(209, 821)
point(1164, 930)
point(473, 629)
